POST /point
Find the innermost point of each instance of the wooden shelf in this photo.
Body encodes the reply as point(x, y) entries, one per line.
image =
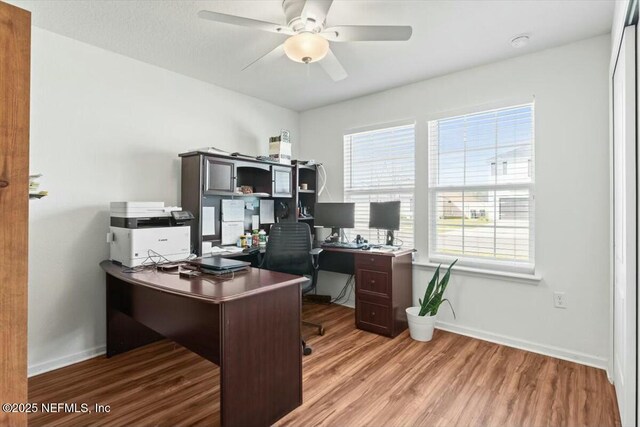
point(307, 167)
point(306, 191)
point(259, 195)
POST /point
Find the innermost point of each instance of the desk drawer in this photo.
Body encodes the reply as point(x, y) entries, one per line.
point(373, 262)
point(373, 317)
point(375, 282)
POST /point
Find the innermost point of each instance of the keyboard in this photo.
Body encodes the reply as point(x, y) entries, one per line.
point(343, 245)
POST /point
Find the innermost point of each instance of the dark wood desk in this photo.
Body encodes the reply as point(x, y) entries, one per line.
point(248, 325)
point(384, 282)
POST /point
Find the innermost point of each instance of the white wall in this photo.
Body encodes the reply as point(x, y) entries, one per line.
point(570, 86)
point(104, 128)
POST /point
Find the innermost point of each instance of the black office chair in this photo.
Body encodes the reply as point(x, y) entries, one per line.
point(289, 250)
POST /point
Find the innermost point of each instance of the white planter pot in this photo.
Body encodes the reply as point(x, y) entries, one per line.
point(420, 327)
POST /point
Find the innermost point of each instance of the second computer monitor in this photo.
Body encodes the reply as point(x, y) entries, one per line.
point(334, 215)
point(384, 215)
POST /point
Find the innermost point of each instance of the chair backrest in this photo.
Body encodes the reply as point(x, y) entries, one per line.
point(288, 248)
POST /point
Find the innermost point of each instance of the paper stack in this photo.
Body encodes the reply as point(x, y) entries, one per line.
point(232, 225)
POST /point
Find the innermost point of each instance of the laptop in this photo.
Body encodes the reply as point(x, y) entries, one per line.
point(219, 264)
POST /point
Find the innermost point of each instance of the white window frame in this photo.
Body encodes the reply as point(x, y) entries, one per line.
point(411, 192)
point(479, 263)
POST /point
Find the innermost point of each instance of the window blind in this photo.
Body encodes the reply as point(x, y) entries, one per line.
point(379, 166)
point(481, 188)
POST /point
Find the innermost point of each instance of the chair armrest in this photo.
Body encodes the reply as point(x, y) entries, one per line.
point(315, 257)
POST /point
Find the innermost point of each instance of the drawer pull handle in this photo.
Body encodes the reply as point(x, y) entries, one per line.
point(3, 183)
point(373, 259)
point(373, 282)
point(373, 313)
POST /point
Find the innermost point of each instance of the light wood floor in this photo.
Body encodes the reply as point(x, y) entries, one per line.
point(353, 378)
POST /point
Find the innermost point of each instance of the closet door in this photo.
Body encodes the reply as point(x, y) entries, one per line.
point(625, 227)
point(15, 48)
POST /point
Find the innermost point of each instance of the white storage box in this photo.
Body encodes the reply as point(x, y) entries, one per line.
point(280, 152)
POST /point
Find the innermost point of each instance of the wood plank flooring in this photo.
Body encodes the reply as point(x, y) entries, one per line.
point(353, 378)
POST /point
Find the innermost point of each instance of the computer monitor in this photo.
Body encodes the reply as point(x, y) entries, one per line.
point(386, 216)
point(335, 216)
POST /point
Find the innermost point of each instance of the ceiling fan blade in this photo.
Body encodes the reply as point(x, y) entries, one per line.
point(244, 22)
point(316, 9)
point(360, 33)
point(333, 67)
point(269, 56)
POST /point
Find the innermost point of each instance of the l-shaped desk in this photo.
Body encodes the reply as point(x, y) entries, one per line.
point(383, 284)
point(250, 327)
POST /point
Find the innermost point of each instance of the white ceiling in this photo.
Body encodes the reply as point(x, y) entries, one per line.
point(447, 36)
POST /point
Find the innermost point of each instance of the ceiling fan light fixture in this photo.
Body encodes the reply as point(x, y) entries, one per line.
point(306, 47)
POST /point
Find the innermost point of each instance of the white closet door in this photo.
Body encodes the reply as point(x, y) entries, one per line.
point(625, 233)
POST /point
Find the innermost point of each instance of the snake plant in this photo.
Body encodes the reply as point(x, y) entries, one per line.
point(433, 295)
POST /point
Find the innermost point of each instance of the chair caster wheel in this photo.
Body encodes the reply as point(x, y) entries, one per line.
point(307, 351)
point(321, 331)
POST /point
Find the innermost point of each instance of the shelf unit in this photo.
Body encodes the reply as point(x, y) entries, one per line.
point(208, 178)
point(305, 174)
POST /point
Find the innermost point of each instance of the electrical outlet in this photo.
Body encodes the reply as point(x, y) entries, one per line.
point(559, 300)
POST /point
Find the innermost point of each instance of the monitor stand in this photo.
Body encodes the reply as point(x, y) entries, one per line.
point(336, 234)
point(390, 238)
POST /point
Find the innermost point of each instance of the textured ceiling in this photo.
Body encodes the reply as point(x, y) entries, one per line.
point(447, 36)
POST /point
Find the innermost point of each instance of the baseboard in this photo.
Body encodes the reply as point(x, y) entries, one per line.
point(61, 362)
point(349, 303)
point(557, 352)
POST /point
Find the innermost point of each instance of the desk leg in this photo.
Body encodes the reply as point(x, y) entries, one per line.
point(124, 333)
point(261, 369)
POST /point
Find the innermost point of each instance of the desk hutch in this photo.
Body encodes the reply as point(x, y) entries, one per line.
point(209, 178)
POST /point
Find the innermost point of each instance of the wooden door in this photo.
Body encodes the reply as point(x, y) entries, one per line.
point(625, 220)
point(15, 48)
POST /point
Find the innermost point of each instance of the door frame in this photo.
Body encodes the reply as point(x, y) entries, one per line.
point(627, 395)
point(15, 76)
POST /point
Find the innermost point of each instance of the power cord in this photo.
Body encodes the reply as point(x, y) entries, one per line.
point(323, 175)
point(153, 261)
point(344, 294)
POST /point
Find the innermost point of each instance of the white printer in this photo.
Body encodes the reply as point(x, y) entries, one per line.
point(148, 232)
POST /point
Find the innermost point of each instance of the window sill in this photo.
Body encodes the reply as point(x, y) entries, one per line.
point(520, 277)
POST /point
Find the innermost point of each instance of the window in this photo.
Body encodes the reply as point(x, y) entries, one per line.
point(480, 213)
point(379, 166)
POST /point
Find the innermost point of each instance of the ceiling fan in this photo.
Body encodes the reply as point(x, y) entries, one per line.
point(308, 38)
